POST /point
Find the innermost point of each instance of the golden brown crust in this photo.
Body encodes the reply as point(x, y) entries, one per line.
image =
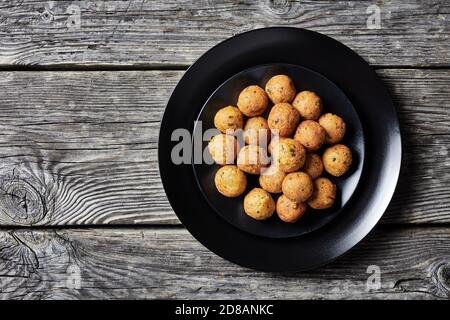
point(310, 134)
point(324, 194)
point(280, 88)
point(308, 104)
point(283, 118)
point(230, 181)
point(252, 158)
point(252, 101)
point(297, 186)
point(288, 154)
point(223, 149)
point(256, 131)
point(313, 165)
point(334, 127)
point(288, 210)
point(337, 159)
point(228, 120)
point(271, 179)
point(259, 204)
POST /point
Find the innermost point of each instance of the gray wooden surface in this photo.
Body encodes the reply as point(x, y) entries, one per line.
point(174, 32)
point(169, 263)
point(83, 85)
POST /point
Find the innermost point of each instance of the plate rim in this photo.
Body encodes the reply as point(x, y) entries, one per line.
point(397, 137)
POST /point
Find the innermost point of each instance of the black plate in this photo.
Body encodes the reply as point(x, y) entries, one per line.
point(335, 101)
point(382, 158)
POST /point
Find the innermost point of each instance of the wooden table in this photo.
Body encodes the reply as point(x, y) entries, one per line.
point(83, 85)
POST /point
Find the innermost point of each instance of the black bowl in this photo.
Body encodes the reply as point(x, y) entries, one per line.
point(382, 148)
point(334, 100)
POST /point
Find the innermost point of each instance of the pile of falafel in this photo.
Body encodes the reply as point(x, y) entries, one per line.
point(282, 149)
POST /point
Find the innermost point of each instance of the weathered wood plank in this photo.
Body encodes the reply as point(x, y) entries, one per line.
point(414, 263)
point(155, 33)
point(82, 153)
point(423, 192)
point(82, 147)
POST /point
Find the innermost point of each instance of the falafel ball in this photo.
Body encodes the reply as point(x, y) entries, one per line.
point(256, 131)
point(324, 194)
point(283, 118)
point(252, 101)
point(308, 104)
point(297, 186)
point(337, 159)
point(228, 120)
point(259, 204)
point(230, 181)
point(280, 88)
point(313, 165)
point(252, 159)
point(288, 154)
point(288, 210)
point(271, 179)
point(223, 148)
point(310, 134)
point(334, 127)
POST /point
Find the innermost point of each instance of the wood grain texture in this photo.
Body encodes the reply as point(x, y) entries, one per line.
point(81, 147)
point(160, 33)
point(168, 263)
